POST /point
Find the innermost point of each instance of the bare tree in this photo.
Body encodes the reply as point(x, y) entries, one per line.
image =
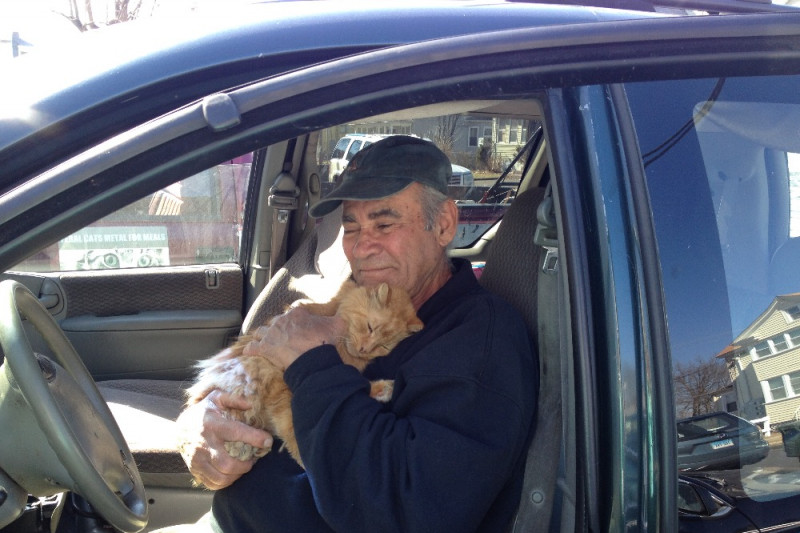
point(445, 135)
point(125, 10)
point(84, 17)
point(89, 24)
point(698, 384)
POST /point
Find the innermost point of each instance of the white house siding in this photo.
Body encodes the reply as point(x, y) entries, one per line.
point(778, 364)
point(749, 394)
point(775, 324)
point(783, 410)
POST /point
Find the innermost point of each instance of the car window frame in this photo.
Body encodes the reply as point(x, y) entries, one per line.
point(586, 53)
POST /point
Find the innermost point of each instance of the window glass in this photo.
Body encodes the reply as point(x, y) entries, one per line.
point(473, 137)
point(722, 171)
point(354, 148)
point(689, 501)
point(777, 391)
point(486, 171)
point(762, 349)
point(794, 383)
point(780, 343)
point(193, 221)
point(338, 150)
point(793, 160)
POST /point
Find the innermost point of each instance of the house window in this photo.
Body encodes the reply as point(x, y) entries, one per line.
point(762, 349)
point(473, 136)
point(794, 312)
point(780, 343)
point(794, 383)
point(794, 336)
point(776, 388)
point(487, 133)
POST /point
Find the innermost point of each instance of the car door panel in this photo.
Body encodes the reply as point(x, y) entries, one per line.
point(144, 323)
point(155, 344)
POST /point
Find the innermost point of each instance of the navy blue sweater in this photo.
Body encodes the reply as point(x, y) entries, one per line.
point(446, 454)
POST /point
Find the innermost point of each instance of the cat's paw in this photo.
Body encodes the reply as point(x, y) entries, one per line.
point(243, 451)
point(382, 389)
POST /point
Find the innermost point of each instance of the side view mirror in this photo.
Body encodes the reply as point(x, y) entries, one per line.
point(698, 499)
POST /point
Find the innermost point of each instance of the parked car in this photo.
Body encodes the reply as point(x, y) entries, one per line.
point(649, 237)
point(462, 176)
point(351, 144)
point(345, 149)
point(718, 441)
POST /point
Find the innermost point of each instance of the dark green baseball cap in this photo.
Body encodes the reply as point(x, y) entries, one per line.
point(387, 167)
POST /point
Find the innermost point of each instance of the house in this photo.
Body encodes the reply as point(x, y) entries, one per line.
point(764, 364)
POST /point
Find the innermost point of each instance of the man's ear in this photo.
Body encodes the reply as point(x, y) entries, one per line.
point(448, 222)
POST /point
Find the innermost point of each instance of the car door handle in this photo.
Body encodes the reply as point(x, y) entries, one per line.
point(49, 300)
point(50, 296)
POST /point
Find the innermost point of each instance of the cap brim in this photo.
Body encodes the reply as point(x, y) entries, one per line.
point(359, 190)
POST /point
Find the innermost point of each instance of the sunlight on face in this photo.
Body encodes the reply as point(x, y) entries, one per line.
point(386, 241)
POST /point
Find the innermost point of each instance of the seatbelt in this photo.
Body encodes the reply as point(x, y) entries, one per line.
point(541, 468)
point(282, 199)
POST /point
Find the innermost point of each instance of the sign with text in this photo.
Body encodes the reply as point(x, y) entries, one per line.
point(114, 247)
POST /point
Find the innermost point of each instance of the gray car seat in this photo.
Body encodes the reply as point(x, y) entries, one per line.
point(515, 270)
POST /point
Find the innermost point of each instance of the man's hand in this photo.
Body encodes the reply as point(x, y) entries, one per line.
point(203, 433)
point(293, 333)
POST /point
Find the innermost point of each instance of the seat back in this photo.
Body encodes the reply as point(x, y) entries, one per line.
point(315, 271)
point(512, 256)
point(514, 271)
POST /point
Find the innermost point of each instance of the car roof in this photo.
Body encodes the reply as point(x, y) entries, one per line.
point(153, 65)
point(366, 136)
point(716, 414)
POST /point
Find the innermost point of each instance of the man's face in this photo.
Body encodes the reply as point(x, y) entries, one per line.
point(386, 241)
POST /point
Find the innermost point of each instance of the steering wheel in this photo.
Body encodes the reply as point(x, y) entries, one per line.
point(60, 435)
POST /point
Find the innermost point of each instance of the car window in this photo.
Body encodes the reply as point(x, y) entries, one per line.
point(354, 148)
point(338, 150)
point(722, 171)
point(196, 220)
point(485, 178)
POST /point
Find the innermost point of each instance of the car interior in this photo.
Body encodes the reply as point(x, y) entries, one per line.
point(289, 257)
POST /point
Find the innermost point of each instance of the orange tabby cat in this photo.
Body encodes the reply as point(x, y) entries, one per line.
point(377, 319)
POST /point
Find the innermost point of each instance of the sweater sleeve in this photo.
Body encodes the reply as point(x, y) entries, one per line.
point(436, 457)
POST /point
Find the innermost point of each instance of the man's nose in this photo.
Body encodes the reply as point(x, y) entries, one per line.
point(364, 244)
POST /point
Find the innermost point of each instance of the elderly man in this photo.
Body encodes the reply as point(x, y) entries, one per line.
point(447, 452)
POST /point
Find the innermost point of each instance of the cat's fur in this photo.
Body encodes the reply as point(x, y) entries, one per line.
point(377, 319)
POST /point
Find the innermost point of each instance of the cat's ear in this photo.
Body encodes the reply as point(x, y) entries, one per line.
point(383, 293)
